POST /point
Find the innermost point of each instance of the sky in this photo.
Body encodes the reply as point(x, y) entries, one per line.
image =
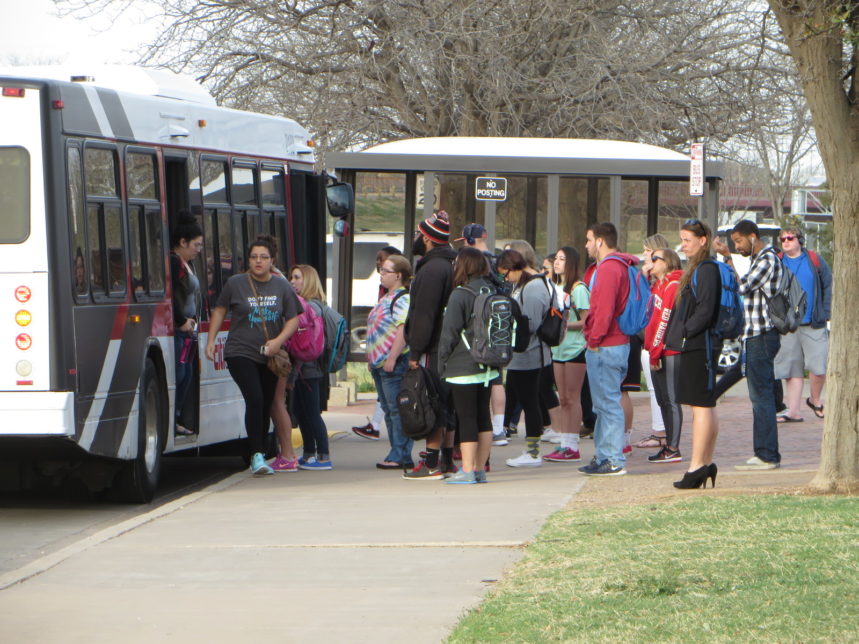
point(31, 33)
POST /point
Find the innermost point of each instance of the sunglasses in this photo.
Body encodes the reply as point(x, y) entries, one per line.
point(785, 238)
point(653, 258)
point(693, 222)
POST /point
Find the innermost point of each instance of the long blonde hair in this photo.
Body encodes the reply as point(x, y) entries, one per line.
point(699, 229)
point(311, 288)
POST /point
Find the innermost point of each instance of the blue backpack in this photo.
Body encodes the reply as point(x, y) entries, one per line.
point(729, 320)
point(636, 313)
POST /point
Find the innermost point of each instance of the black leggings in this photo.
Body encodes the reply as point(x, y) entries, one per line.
point(472, 410)
point(665, 390)
point(525, 387)
point(257, 384)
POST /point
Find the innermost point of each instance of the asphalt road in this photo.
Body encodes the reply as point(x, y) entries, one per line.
point(33, 524)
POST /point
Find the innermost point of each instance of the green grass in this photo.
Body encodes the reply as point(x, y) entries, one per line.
point(358, 372)
point(738, 569)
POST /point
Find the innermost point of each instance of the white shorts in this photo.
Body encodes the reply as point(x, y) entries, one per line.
point(804, 349)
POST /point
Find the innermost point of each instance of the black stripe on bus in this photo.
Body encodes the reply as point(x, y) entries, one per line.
point(78, 117)
point(115, 114)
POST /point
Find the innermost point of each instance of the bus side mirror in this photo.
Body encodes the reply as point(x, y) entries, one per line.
point(341, 199)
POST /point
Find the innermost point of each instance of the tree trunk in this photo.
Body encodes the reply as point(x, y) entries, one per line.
point(817, 49)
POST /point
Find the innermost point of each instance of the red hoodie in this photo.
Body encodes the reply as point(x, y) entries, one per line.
point(608, 298)
point(664, 294)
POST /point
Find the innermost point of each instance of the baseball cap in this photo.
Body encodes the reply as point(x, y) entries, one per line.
point(472, 232)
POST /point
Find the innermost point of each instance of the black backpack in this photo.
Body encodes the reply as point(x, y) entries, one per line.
point(420, 404)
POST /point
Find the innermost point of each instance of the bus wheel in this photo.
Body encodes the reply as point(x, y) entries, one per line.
point(137, 481)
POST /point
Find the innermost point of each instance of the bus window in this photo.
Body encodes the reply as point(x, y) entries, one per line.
point(116, 254)
point(97, 270)
point(14, 195)
point(244, 186)
point(77, 224)
point(239, 243)
point(140, 169)
point(214, 180)
point(271, 187)
point(225, 246)
point(155, 252)
point(100, 167)
point(135, 248)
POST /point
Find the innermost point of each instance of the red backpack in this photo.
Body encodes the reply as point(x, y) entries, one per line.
point(308, 342)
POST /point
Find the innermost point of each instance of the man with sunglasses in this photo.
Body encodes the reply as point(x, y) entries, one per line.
point(761, 340)
point(808, 346)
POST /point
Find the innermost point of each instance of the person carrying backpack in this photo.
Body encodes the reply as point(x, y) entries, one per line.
point(387, 354)
point(690, 333)
point(470, 382)
point(761, 340)
point(307, 380)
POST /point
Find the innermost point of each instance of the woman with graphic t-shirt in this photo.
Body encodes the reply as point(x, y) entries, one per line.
point(253, 298)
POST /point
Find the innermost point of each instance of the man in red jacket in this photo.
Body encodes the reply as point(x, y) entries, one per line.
point(608, 348)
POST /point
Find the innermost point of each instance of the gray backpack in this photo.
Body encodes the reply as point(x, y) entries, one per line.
point(787, 307)
point(492, 326)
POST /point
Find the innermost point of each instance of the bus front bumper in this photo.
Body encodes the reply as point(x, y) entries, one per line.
point(37, 413)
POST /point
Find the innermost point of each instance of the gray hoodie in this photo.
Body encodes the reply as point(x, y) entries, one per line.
point(534, 299)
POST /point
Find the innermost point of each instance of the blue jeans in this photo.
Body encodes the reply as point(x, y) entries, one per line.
point(185, 347)
point(760, 354)
point(307, 408)
point(606, 369)
point(388, 387)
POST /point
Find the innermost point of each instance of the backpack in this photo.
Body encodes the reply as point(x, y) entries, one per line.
point(787, 307)
point(308, 342)
point(553, 328)
point(493, 327)
point(338, 340)
point(636, 312)
point(729, 319)
point(419, 403)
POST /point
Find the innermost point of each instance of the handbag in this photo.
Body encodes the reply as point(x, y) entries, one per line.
point(279, 364)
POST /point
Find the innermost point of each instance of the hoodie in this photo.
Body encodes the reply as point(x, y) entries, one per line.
point(609, 287)
point(429, 291)
point(664, 293)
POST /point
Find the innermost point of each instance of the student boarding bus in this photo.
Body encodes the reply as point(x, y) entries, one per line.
point(93, 173)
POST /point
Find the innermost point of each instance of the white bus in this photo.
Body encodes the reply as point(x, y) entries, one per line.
point(91, 181)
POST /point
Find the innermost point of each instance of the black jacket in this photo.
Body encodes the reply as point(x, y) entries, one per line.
point(696, 312)
point(429, 291)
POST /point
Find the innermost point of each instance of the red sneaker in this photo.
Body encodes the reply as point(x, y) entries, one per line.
point(367, 431)
point(563, 455)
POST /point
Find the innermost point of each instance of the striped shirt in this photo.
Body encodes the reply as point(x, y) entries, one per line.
point(759, 284)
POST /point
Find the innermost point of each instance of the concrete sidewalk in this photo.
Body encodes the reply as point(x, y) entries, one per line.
point(355, 554)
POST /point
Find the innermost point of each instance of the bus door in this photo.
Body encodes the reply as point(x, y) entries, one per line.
point(180, 175)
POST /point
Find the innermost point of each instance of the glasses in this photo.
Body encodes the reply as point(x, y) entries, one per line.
point(387, 270)
point(259, 258)
point(785, 238)
point(692, 222)
point(653, 258)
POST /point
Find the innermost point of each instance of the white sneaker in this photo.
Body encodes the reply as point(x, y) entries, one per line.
point(754, 463)
point(551, 436)
point(500, 440)
point(525, 460)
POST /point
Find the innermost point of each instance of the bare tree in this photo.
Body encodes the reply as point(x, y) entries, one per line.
point(364, 71)
point(823, 37)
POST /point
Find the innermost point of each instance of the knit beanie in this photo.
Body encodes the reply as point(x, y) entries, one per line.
point(437, 227)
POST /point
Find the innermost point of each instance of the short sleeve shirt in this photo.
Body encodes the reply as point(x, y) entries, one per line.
point(277, 302)
point(574, 341)
point(382, 324)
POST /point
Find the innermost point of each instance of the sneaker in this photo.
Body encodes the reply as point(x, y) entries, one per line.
point(281, 464)
point(511, 430)
point(500, 440)
point(480, 476)
point(313, 463)
point(586, 432)
point(551, 436)
point(423, 473)
point(665, 455)
point(563, 455)
point(605, 469)
point(462, 478)
point(754, 463)
point(525, 460)
point(367, 431)
point(590, 467)
point(457, 454)
point(259, 466)
point(449, 468)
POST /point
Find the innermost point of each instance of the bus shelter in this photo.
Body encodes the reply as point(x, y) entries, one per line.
point(545, 191)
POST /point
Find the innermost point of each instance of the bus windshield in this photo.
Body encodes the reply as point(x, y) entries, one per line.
point(14, 195)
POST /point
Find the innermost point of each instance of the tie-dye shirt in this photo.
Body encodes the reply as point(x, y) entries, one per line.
point(382, 323)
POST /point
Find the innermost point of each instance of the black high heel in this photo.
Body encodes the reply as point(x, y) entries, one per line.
point(712, 475)
point(694, 480)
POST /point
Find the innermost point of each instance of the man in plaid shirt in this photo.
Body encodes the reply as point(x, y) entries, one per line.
point(761, 340)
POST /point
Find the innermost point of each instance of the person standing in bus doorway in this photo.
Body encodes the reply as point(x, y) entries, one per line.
point(371, 431)
point(186, 243)
point(431, 286)
point(807, 348)
point(253, 299)
point(306, 379)
point(607, 353)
